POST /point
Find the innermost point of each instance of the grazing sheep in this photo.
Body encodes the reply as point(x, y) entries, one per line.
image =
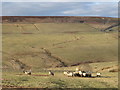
point(98, 74)
point(27, 72)
point(51, 73)
point(80, 73)
point(83, 73)
point(70, 74)
point(65, 73)
point(76, 73)
point(88, 75)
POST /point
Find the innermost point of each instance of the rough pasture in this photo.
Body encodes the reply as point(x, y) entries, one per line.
point(89, 48)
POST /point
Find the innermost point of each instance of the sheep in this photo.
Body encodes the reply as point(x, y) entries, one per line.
point(70, 74)
point(65, 73)
point(83, 73)
point(80, 73)
point(98, 74)
point(76, 73)
point(88, 75)
point(51, 73)
point(27, 72)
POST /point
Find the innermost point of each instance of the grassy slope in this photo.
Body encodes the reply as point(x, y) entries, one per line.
point(73, 43)
point(61, 40)
point(108, 79)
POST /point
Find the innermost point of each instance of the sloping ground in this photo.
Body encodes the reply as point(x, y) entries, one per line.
point(41, 79)
point(59, 47)
point(46, 28)
point(102, 67)
point(68, 43)
point(111, 28)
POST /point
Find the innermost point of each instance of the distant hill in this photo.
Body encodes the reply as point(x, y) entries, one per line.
point(57, 19)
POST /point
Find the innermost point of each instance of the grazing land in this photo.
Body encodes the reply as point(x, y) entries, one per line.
point(59, 47)
point(40, 79)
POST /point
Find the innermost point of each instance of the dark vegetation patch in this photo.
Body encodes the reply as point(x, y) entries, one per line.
point(57, 19)
point(113, 70)
point(110, 27)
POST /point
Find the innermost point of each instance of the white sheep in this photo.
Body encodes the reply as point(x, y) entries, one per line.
point(98, 74)
point(76, 72)
point(80, 73)
point(70, 74)
point(28, 72)
point(84, 74)
point(65, 73)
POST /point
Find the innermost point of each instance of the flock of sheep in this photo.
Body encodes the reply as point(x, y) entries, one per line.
point(77, 73)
